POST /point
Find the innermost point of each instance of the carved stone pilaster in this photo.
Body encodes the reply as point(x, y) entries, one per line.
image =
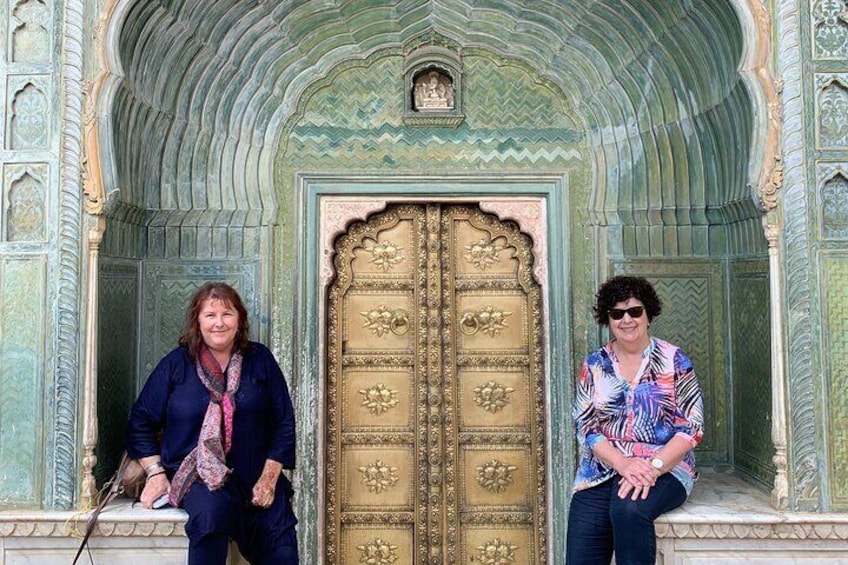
point(90, 432)
point(780, 491)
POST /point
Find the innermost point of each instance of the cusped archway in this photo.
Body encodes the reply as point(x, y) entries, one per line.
point(669, 104)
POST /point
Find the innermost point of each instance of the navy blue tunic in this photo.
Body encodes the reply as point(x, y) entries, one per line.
point(174, 401)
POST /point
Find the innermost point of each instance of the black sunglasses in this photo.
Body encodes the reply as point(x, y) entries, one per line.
point(618, 313)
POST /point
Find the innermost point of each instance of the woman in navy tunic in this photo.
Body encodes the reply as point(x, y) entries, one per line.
point(213, 427)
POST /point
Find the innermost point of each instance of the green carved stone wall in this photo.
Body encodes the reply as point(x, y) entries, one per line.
point(816, 240)
point(205, 133)
point(835, 323)
point(751, 364)
point(118, 310)
point(23, 318)
point(41, 253)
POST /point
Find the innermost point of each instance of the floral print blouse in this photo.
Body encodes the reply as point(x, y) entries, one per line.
point(665, 401)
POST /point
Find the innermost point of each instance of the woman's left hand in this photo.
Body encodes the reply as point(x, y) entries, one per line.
point(635, 492)
point(263, 490)
point(263, 493)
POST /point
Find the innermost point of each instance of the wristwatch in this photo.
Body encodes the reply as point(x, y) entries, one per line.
point(657, 463)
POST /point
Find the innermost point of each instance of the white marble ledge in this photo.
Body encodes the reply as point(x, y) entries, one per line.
point(725, 507)
point(120, 518)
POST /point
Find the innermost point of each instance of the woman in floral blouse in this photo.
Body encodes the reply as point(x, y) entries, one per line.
point(638, 411)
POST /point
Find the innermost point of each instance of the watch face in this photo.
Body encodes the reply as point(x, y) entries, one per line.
point(657, 463)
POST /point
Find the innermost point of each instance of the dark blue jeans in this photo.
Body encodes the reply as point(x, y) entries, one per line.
point(212, 549)
point(600, 522)
point(264, 536)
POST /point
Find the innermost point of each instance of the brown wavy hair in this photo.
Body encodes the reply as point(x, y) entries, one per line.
point(191, 338)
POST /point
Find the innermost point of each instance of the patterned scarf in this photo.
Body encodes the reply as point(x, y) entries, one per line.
point(209, 459)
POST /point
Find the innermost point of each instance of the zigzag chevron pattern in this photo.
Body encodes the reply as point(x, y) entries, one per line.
point(750, 324)
point(511, 121)
point(686, 322)
point(116, 370)
point(173, 298)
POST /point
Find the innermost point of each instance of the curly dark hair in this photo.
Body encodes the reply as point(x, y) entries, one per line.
point(191, 338)
point(621, 287)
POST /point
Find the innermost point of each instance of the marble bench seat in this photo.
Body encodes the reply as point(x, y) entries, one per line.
point(725, 522)
point(126, 534)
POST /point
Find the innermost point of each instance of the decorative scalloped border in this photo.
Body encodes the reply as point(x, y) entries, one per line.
point(832, 530)
point(73, 525)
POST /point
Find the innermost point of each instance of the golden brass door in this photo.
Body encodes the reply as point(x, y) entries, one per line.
point(435, 420)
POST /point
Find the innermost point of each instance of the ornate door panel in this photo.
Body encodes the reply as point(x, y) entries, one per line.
point(435, 398)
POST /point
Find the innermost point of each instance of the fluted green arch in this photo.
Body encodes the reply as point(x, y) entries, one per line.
point(207, 86)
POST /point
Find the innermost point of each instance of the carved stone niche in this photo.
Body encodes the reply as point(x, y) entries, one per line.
point(433, 88)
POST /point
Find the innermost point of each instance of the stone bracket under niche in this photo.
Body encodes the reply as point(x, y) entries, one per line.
point(433, 87)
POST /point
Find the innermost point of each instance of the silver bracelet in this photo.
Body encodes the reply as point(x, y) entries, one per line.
point(155, 466)
point(156, 474)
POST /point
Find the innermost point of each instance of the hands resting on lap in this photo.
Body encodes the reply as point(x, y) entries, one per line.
point(637, 478)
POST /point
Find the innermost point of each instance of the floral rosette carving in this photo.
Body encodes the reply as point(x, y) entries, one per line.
point(495, 476)
point(383, 320)
point(379, 398)
point(489, 320)
point(378, 476)
point(386, 255)
point(483, 253)
point(492, 396)
point(378, 552)
point(496, 552)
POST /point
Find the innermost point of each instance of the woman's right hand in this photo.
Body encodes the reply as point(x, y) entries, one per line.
point(155, 487)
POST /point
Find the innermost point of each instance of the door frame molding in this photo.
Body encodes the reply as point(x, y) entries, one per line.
point(327, 204)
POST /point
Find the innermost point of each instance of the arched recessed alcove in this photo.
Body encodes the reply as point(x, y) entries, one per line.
point(212, 108)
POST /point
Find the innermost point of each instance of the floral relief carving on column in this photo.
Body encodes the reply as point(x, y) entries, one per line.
point(24, 202)
point(767, 179)
point(29, 126)
point(833, 198)
point(832, 110)
point(830, 29)
point(31, 35)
